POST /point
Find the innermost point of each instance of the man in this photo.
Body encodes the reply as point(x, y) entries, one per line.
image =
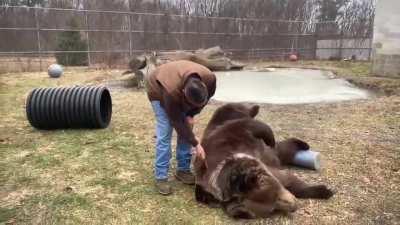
point(178, 91)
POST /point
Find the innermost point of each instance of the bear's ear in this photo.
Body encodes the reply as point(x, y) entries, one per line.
point(254, 110)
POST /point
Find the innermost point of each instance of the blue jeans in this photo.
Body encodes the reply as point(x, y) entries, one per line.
point(163, 145)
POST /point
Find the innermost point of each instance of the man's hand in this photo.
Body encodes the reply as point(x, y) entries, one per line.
point(190, 120)
point(200, 152)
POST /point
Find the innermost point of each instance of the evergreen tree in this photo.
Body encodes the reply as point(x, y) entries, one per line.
point(71, 41)
point(30, 3)
point(330, 10)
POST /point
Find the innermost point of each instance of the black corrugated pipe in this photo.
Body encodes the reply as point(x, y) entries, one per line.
point(69, 107)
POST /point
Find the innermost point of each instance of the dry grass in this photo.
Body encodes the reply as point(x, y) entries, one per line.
point(105, 176)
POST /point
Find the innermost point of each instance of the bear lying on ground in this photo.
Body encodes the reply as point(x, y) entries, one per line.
point(242, 171)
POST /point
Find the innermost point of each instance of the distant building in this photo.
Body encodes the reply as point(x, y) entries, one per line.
point(355, 48)
point(386, 55)
point(334, 45)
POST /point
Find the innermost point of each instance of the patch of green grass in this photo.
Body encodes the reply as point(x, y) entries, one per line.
point(25, 180)
point(69, 200)
point(361, 69)
point(44, 161)
point(132, 187)
point(354, 68)
point(7, 214)
point(4, 173)
point(134, 190)
point(54, 208)
point(18, 177)
point(106, 182)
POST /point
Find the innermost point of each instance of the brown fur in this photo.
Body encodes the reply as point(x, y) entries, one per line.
point(251, 182)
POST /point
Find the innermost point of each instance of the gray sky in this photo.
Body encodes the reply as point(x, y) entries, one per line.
point(387, 26)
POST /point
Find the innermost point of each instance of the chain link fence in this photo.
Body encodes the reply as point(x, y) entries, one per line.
point(31, 38)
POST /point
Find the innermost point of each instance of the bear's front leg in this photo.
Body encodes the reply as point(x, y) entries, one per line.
point(205, 197)
point(237, 211)
point(262, 131)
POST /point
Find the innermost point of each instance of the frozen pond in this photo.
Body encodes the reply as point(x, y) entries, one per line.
point(284, 86)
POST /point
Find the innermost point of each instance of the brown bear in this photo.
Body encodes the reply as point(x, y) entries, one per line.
point(242, 171)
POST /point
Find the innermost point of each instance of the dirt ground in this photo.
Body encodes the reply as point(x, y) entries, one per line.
point(105, 176)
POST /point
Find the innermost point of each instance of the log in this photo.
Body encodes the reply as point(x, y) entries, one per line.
point(213, 58)
point(140, 66)
point(211, 52)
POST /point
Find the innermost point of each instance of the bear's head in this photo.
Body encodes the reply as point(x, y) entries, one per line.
point(231, 111)
point(257, 192)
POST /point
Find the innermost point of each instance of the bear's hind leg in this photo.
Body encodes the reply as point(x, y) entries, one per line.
point(287, 149)
point(300, 189)
point(316, 191)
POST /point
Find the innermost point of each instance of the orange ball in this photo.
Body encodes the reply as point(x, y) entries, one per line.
point(293, 57)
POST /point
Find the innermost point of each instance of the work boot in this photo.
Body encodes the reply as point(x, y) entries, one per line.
point(185, 177)
point(163, 187)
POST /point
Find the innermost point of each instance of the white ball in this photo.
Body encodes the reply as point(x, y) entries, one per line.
point(55, 70)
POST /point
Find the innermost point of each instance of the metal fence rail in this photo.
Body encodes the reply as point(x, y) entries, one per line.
point(160, 14)
point(112, 37)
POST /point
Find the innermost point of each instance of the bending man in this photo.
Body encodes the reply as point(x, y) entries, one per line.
point(178, 91)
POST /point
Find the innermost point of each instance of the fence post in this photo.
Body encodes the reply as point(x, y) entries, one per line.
point(371, 40)
point(200, 38)
point(87, 37)
point(143, 41)
point(130, 34)
point(315, 41)
point(341, 44)
point(165, 29)
point(38, 38)
point(130, 28)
